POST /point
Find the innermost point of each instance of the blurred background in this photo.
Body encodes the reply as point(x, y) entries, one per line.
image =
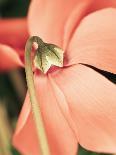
point(12, 93)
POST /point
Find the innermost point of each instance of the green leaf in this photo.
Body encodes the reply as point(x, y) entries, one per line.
point(47, 56)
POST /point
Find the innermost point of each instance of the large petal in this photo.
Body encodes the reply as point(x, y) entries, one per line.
point(94, 41)
point(83, 9)
point(48, 18)
point(13, 36)
point(91, 99)
point(60, 135)
point(56, 20)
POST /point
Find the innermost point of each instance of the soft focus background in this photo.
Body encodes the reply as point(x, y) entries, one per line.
point(13, 86)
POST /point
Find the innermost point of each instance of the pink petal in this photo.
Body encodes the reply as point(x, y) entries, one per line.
point(14, 32)
point(56, 20)
point(83, 8)
point(102, 4)
point(94, 41)
point(60, 135)
point(47, 18)
point(91, 99)
point(9, 58)
point(13, 36)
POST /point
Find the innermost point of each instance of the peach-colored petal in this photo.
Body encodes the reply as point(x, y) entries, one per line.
point(47, 18)
point(14, 32)
point(94, 41)
point(60, 135)
point(13, 36)
point(83, 8)
point(55, 20)
point(91, 99)
point(102, 4)
point(9, 58)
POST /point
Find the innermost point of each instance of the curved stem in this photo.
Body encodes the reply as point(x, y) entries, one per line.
point(34, 102)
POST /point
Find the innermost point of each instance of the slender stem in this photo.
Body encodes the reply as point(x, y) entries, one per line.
point(34, 102)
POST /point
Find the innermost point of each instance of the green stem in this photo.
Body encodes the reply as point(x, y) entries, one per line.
point(34, 102)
